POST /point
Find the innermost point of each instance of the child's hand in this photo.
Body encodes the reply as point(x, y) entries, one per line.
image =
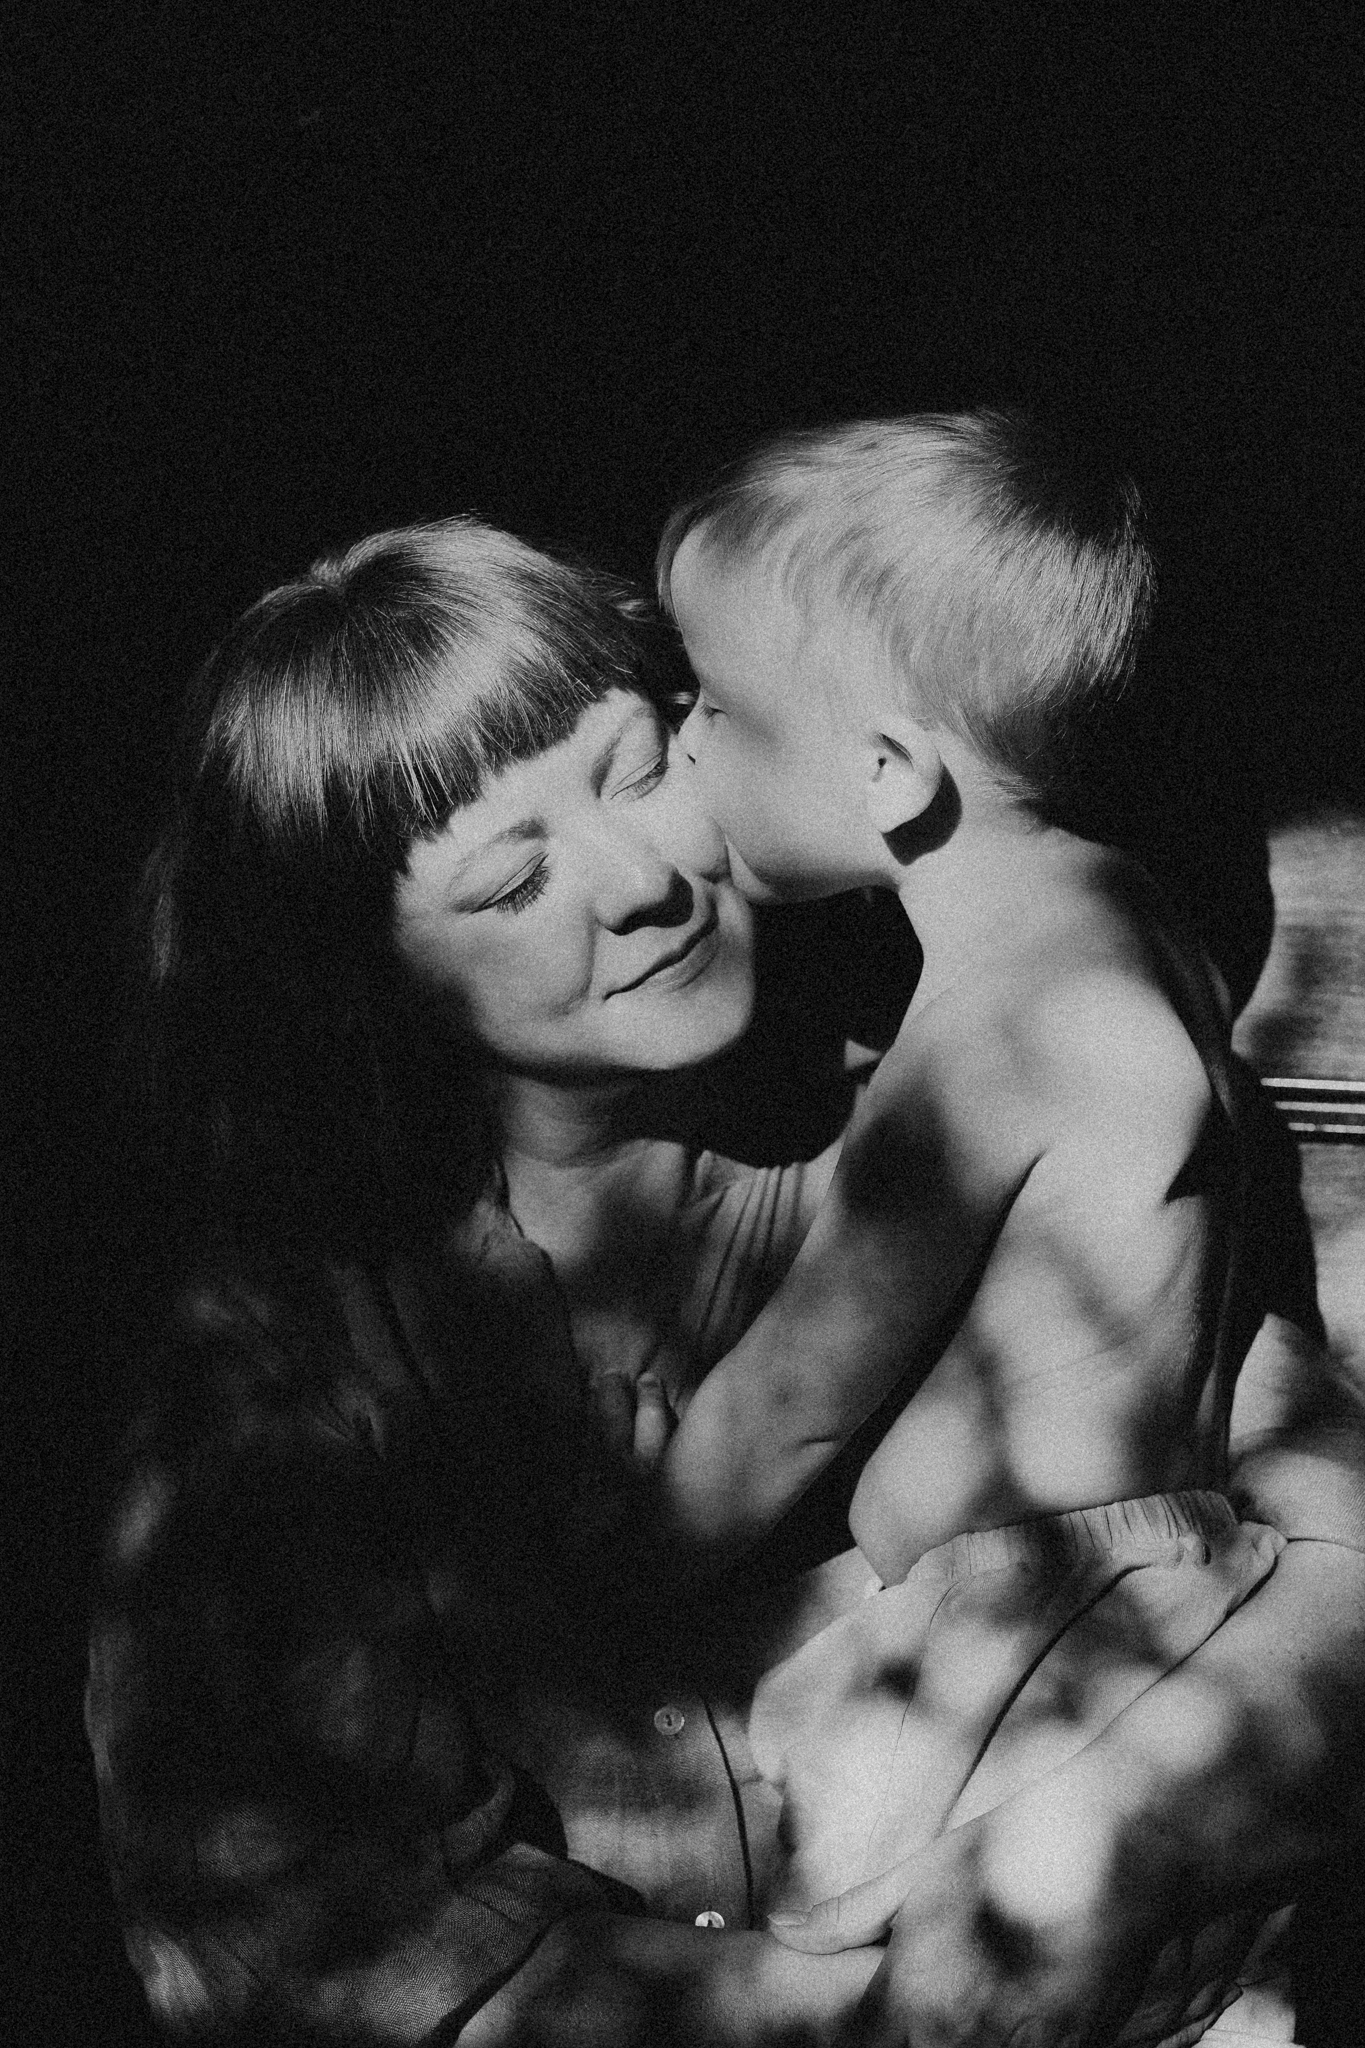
point(1011, 1933)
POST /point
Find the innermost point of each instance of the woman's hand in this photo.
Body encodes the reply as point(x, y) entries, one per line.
point(1031, 1924)
point(637, 1415)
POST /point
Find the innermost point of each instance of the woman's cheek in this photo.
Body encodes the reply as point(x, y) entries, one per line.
point(694, 840)
point(554, 968)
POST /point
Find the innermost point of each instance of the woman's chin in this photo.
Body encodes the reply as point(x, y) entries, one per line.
point(685, 1028)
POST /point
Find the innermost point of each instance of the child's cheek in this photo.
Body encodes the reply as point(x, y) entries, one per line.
point(723, 785)
point(749, 885)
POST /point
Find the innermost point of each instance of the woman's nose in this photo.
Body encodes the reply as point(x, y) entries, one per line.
point(640, 885)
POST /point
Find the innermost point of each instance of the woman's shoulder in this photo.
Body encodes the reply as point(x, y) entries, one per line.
point(272, 1426)
point(292, 1409)
point(255, 1410)
point(251, 1348)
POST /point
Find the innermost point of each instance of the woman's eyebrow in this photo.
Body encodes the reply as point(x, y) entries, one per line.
point(515, 835)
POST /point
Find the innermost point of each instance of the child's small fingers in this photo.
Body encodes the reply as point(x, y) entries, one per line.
point(653, 1419)
point(852, 1920)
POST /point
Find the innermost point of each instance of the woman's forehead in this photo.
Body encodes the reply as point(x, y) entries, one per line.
point(515, 801)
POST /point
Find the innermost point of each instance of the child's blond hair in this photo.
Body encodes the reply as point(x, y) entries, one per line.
point(1005, 574)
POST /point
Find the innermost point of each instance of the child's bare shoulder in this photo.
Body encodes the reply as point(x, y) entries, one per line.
point(1107, 1054)
point(1063, 1042)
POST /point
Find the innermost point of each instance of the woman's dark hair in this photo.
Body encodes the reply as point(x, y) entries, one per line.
point(291, 1094)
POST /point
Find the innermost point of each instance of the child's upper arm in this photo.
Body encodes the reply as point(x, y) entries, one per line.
point(1113, 1056)
point(816, 1176)
point(1140, 1175)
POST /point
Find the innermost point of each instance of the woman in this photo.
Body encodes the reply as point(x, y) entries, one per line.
point(432, 922)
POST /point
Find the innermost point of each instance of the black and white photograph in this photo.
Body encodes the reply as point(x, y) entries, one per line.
point(685, 1033)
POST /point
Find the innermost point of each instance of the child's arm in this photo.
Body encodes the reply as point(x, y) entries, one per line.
point(928, 1170)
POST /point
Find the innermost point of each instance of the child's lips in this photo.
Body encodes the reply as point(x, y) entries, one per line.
point(682, 960)
point(750, 886)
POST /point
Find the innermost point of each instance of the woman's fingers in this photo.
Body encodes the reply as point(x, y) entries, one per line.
point(859, 1916)
point(614, 1396)
point(635, 1415)
point(653, 1419)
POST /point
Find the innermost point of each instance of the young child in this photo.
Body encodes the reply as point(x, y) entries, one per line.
point(902, 629)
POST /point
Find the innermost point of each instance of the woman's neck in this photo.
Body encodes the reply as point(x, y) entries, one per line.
point(572, 1153)
point(563, 1128)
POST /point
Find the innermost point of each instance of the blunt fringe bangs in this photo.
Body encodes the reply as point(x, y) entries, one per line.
point(376, 695)
point(1000, 565)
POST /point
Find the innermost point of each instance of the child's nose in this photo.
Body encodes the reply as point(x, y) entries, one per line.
point(689, 732)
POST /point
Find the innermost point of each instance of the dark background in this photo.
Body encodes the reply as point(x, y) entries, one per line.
point(276, 277)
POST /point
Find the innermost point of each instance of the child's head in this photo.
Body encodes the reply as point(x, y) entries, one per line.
point(998, 575)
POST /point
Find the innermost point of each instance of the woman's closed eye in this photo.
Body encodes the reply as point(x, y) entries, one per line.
point(523, 891)
point(640, 756)
point(643, 778)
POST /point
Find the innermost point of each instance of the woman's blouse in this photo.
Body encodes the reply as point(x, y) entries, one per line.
point(366, 1718)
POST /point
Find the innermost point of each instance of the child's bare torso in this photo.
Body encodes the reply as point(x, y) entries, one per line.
point(1027, 1238)
point(1079, 1358)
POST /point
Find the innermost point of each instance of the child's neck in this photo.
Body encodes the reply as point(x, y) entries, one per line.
point(1000, 874)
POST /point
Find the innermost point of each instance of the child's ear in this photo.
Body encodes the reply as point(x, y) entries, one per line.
point(904, 771)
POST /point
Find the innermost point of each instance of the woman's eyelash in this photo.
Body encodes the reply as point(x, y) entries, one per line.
point(533, 884)
point(650, 777)
point(525, 891)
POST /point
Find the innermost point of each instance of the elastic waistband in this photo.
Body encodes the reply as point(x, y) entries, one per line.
point(1162, 1528)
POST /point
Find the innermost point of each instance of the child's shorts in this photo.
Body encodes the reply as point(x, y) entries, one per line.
point(1000, 1655)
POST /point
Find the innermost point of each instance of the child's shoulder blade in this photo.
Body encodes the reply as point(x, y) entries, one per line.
point(1106, 1043)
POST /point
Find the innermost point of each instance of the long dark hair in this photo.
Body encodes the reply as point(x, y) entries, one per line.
point(292, 1097)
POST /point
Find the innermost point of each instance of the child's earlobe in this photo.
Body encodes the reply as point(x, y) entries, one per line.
point(904, 775)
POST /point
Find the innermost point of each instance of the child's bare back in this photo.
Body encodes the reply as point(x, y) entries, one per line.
point(1062, 1082)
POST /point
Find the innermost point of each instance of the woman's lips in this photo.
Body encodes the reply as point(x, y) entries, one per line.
point(682, 962)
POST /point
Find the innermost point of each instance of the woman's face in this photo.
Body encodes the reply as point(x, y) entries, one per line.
point(579, 920)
